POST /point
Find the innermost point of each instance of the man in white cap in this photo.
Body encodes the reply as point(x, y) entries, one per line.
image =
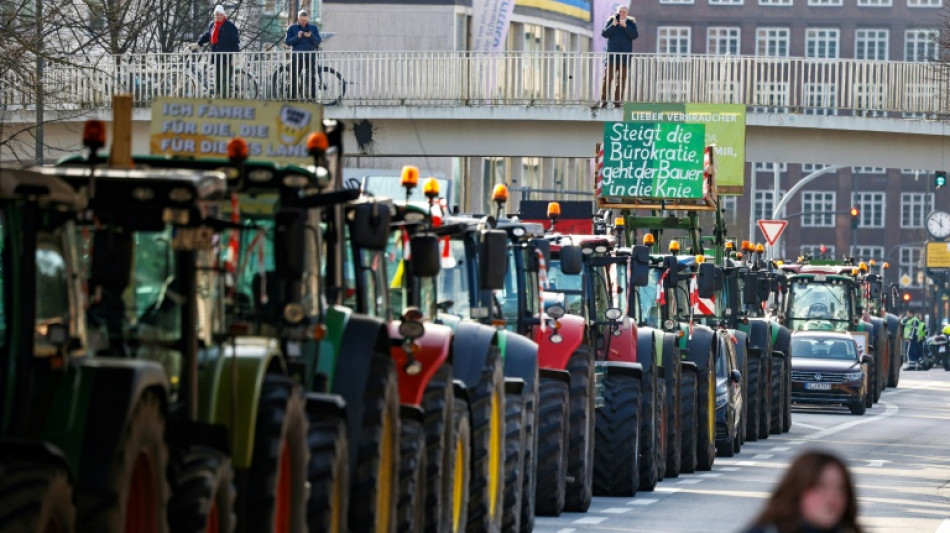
point(304, 39)
point(223, 36)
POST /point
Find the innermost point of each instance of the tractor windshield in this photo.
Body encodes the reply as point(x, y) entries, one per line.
point(519, 282)
point(565, 289)
point(405, 289)
point(454, 292)
point(649, 310)
point(818, 305)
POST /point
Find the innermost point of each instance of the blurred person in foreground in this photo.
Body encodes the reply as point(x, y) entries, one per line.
point(815, 496)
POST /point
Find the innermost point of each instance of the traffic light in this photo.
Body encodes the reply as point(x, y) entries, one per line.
point(906, 297)
point(940, 178)
point(855, 214)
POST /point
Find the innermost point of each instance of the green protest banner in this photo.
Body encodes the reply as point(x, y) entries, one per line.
point(652, 160)
point(725, 128)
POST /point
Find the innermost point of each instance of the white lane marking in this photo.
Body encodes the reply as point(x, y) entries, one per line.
point(710, 474)
point(877, 462)
point(689, 481)
point(796, 442)
point(591, 520)
point(666, 489)
point(780, 449)
point(614, 510)
point(729, 469)
point(567, 530)
point(747, 463)
point(890, 410)
point(809, 426)
point(762, 456)
point(644, 501)
point(944, 527)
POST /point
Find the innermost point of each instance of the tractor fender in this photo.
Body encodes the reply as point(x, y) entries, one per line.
point(689, 366)
point(470, 348)
point(110, 387)
point(742, 349)
point(521, 357)
point(37, 452)
point(759, 335)
point(552, 355)
point(325, 406)
point(893, 325)
point(554, 375)
point(434, 350)
point(877, 329)
point(647, 339)
point(328, 354)
point(514, 386)
point(235, 372)
point(781, 338)
point(624, 348)
point(634, 370)
point(700, 346)
point(668, 353)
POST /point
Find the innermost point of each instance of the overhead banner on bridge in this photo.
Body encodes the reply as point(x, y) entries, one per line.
point(652, 160)
point(725, 128)
point(201, 128)
point(490, 21)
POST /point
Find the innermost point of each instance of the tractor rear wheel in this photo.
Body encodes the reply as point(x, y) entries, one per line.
point(649, 434)
point(515, 450)
point(461, 461)
point(580, 463)
point(778, 395)
point(438, 404)
point(487, 409)
point(529, 479)
point(203, 495)
point(139, 473)
point(787, 401)
point(617, 442)
point(765, 395)
point(276, 484)
point(328, 473)
point(688, 422)
point(674, 387)
point(412, 462)
point(706, 419)
point(552, 426)
point(753, 399)
point(35, 498)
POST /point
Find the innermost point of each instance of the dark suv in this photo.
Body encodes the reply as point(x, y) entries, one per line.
point(827, 368)
point(729, 395)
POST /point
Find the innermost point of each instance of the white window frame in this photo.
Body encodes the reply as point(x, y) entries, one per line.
point(911, 262)
point(875, 3)
point(768, 167)
point(825, 3)
point(822, 43)
point(820, 99)
point(769, 39)
point(920, 45)
point(915, 206)
point(818, 209)
point(872, 43)
point(720, 37)
point(670, 40)
point(730, 207)
point(775, 2)
point(924, 3)
point(763, 198)
point(726, 2)
point(771, 97)
point(872, 206)
point(868, 170)
point(866, 253)
point(814, 250)
point(688, 2)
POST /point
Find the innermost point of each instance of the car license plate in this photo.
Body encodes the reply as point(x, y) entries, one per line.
point(818, 386)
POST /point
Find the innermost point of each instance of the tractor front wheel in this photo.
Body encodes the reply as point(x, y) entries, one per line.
point(203, 495)
point(35, 498)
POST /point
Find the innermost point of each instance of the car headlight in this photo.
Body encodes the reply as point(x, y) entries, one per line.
point(854, 376)
point(721, 400)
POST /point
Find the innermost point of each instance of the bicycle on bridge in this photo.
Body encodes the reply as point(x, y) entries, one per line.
point(192, 75)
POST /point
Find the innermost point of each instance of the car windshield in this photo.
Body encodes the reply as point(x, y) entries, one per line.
point(819, 348)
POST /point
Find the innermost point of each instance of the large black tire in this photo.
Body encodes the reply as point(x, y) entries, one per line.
point(487, 409)
point(580, 462)
point(530, 477)
point(374, 484)
point(661, 430)
point(945, 361)
point(706, 419)
point(328, 473)
point(438, 404)
point(461, 470)
point(552, 425)
point(412, 462)
point(649, 434)
point(203, 492)
point(778, 395)
point(688, 421)
point(142, 451)
point(765, 392)
point(876, 375)
point(279, 462)
point(858, 407)
point(674, 387)
point(787, 395)
point(515, 448)
point(35, 498)
point(617, 443)
point(753, 398)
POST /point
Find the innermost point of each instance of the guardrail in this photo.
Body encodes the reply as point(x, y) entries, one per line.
point(511, 78)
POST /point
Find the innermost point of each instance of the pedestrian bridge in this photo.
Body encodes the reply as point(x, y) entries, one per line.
point(826, 111)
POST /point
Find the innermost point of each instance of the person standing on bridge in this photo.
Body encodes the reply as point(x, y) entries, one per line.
point(816, 495)
point(620, 32)
point(223, 36)
point(304, 39)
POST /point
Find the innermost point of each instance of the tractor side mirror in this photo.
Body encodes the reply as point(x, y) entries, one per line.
point(763, 287)
point(369, 225)
point(706, 280)
point(750, 290)
point(673, 270)
point(289, 243)
point(493, 263)
point(719, 279)
point(111, 266)
point(426, 259)
point(640, 266)
point(571, 259)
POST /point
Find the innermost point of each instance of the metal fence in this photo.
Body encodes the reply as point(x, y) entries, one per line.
point(512, 78)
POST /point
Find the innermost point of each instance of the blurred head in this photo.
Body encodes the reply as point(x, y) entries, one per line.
point(219, 13)
point(303, 17)
point(817, 488)
point(622, 11)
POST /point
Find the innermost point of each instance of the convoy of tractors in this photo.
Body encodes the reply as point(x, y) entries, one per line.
point(234, 345)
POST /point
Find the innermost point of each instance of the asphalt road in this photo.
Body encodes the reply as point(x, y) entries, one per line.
point(899, 454)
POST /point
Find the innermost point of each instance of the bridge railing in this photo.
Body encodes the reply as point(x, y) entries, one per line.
point(811, 85)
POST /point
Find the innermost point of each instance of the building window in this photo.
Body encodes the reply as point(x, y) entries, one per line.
point(821, 42)
point(768, 167)
point(868, 253)
point(676, 1)
point(726, 2)
point(774, 96)
point(818, 209)
point(775, 2)
point(911, 264)
point(870, 44)
point(673, 40)
point(920, 46)
point(820, 99)
point(771, 42)
point(871, 208)
point(915, 206)
point(815, 251)
point(870, 99)
point(874, 3)
point(722, 40)
point(924, 3)
point(765, 204)
point(868, 170)
point(824, 3)
point(729, 207)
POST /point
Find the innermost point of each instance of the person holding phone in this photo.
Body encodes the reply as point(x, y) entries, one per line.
point(620, 32)
point(304, 39)
point(224, 39)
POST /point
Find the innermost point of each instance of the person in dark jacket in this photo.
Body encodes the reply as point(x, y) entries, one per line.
point(815, 496)
point(304, 39)
point(223, 37)
point(620, 32)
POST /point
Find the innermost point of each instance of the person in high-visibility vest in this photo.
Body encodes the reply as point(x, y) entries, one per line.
point(911, 354)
